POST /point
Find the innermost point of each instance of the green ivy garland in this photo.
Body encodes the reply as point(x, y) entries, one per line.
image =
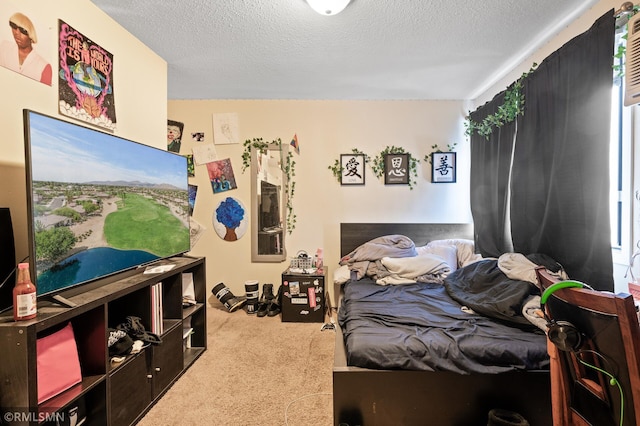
point(512, 107)
point(378, 163)
point(257, 144)
point(337, 168)
point(436, 148)
point(289, 169)
point(621, 48)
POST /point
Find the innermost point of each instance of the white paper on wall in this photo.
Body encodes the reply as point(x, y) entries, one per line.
point(204, 154)
point(225, 128)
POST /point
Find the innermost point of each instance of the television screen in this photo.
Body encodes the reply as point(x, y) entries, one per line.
point(99, 204)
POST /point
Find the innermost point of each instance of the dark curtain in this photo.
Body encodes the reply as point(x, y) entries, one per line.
point(560, 178)
point(490, 170)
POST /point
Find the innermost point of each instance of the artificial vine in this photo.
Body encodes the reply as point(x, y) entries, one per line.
point(290, 171)
point(257, 144)
point(621, 44)
point(378, 163)
point(288, 167)
point(337, 168)
point(511, 108)
point(436, 148)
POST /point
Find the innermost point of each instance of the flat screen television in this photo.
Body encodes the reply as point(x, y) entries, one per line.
point(98, 204)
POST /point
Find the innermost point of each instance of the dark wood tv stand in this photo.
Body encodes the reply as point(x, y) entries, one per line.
point(112, 394)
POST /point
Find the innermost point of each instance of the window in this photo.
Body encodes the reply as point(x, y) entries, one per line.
point(620, 159)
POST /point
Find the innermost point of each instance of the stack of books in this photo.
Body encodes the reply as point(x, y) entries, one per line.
point(157, 327)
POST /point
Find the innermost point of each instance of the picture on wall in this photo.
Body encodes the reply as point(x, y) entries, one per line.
point(174, 135)
point(191, 168)
point(193, 192)
point(196, 230)
point(352, 166)
point(230, 220)
point(221, 175)
point(225, 129)
point(85, 79)
point(443, 167)
point(23, 37)
point(204, 154)
point(396, 169)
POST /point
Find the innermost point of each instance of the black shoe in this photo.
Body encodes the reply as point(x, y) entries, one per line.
point(263, 308)
point(227, 298)
point(274, 306)
point(273, 309)
point(265, 299)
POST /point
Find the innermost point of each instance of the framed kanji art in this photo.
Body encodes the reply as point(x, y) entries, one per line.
point(352, 166)
point(396, 169)
point(443, 167)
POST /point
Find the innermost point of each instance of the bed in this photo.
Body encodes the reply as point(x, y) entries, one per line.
point(449, 389)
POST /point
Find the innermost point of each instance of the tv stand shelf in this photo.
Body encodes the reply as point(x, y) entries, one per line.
point(112, 394)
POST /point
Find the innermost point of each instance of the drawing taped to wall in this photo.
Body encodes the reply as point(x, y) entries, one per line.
point(225, 129)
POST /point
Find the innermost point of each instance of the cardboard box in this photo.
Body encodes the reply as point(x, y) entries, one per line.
point(303, 298)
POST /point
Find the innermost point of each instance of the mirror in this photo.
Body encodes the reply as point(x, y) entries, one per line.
point(268, 204)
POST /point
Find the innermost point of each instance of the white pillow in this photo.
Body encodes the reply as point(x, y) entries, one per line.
point(448, 252)
point(466, 250)
point(412, 267)
point(342, 274)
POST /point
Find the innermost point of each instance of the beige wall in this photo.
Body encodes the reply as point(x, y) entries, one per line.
point(326, 129)
point(140, 90)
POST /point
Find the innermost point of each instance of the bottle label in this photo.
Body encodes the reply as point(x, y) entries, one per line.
point(26, 304)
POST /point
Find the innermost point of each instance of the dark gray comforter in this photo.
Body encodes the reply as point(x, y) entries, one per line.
point(420, 327)
point(484, 288)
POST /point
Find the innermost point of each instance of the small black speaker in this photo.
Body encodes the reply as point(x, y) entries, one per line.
point(7, 260)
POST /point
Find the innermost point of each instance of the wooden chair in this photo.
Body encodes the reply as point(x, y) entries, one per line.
point(594, 346)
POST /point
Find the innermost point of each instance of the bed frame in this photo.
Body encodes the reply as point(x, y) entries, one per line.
point(384, 397)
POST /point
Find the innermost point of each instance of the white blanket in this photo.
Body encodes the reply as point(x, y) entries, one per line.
point(405, 270)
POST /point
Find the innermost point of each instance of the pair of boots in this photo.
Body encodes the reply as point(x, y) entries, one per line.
point(269, 303)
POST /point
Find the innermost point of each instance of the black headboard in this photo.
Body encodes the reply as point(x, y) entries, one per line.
point(353, 235)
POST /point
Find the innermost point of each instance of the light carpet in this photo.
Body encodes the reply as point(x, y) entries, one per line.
point(255, 371)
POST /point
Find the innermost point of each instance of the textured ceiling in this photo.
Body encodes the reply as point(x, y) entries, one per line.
point(374, 49)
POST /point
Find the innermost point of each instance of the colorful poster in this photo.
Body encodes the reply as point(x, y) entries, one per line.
point(230, 219)
point(85, 79)
point(174, 135)
point(191, 167)
point(221, 175)
point(193, 192)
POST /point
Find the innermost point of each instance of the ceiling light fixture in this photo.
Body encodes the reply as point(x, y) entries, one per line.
point(328, 7)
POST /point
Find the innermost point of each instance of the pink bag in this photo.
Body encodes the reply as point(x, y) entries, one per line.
point(58, 363)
